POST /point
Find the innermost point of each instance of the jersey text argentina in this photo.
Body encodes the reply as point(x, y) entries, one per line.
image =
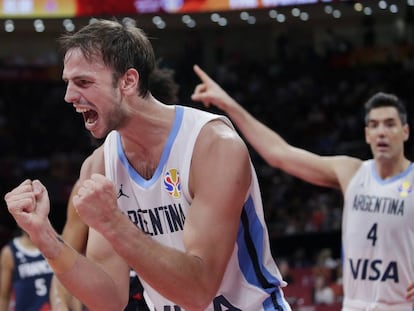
point(159, 206)
point(378, 242)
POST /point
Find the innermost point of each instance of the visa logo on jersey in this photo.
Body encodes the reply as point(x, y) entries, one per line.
point(374, 270)
point(172, 183)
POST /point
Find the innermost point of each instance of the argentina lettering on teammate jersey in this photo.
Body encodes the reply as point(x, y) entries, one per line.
point(375, 204)
point(375, 210)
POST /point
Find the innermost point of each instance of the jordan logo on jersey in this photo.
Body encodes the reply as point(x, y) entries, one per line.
point(172, 183)
point(121, 193)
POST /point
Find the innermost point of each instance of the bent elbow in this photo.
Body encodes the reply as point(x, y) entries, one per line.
point(114, 305)
point(199, 301)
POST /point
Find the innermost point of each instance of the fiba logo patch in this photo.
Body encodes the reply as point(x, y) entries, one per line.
point(405, 189)
point(172, 183)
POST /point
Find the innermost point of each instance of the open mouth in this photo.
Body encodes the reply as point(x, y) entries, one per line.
point(90, 116)
point(382, 146)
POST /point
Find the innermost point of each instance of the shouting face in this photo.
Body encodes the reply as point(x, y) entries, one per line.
point(93, 92)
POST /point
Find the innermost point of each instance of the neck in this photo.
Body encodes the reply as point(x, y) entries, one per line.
point(26, 241)
point(391, 169)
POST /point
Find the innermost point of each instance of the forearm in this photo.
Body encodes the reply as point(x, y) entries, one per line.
point(84, 279)
point(61, 299)
point(80, 276)
point(4, 303)
point(175, 272)
point(58, 296)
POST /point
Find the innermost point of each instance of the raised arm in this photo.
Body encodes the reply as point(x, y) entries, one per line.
point(323, 171)
point(104, 272)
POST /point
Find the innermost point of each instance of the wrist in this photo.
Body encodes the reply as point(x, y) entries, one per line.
point(112, 229)
point(64, 258)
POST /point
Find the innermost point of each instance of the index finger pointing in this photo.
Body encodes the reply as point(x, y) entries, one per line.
point(201, 74)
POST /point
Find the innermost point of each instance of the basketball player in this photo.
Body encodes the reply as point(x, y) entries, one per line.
point(25, 276)
point(189, 219)
point(164, 88)
point(378, 213)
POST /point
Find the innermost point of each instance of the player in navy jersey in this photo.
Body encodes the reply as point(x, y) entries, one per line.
point(378, 213)
point(25, 276)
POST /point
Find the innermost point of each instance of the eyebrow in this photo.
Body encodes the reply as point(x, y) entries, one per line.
point(382, 120)
point(78, 77)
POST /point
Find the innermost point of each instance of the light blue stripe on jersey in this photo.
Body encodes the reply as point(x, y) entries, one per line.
point(250, 253)
point(393, 178)
point(179, 112)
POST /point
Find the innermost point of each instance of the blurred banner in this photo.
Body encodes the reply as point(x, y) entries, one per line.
point(74, 8)
point(37, 8)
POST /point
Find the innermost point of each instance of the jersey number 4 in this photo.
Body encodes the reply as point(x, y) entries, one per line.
point(372, 234)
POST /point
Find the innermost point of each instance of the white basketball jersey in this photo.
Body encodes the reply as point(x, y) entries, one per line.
point(159, 207)
point(378, 240)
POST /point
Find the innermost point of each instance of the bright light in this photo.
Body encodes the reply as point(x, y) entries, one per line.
point(295, 12)
point(68, 24)
point(281, 18)
point(9, 25)
point(393, 8)
point(244, 16)
point(215, 17)
point(336, 13)
point(328, 9)
point(367, 11)
point(39, 25)
point(382, 4)
point(222, 21)
point(272, 13)
point(304, 16)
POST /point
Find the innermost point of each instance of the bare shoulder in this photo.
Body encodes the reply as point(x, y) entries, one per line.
point(348, 163)
point(219, 131)
point(220, 156)
point(346, 167)
point(220, 145)
point(93, 164)
point(218, 139)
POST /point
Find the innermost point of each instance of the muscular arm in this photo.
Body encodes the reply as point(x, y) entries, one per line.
point(6, 274)
point(105, 273)
point(75, 233)
point(114, 267)
point(210, 230)
point(332, 172)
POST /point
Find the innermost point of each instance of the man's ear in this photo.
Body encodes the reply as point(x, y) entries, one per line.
point(129, 81)
point(406, 130)
point(367, 140)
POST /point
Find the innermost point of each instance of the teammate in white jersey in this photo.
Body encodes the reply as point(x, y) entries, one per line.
point(378, 215)
point(172, 192)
